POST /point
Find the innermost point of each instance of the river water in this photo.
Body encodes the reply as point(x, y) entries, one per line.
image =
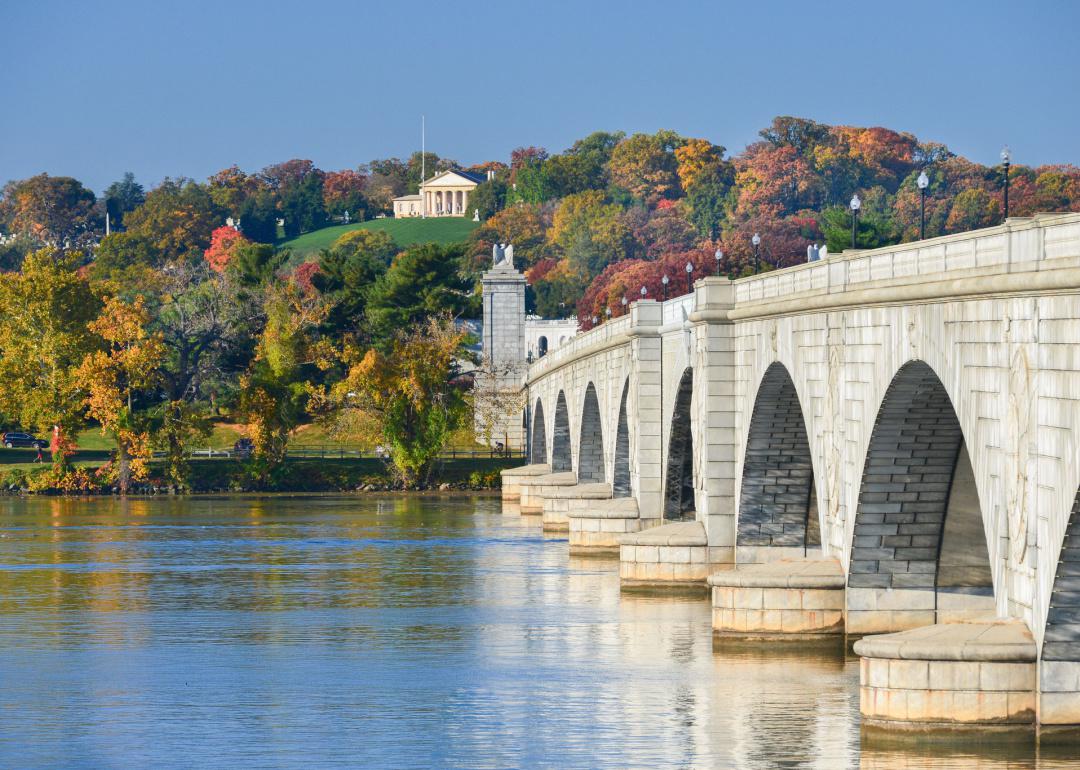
point(328, 632)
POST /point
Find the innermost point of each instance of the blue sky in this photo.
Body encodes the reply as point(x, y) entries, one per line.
point(168, 88)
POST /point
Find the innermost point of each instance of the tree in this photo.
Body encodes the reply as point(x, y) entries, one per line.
point(225, 242)
point(281, 177)
point(558, 290)
point(522, 226)
point(344, 191)
point(44, 337)
point(302, 205)
point(408, 395)
point(348, 271)
point(585, 165)
point(663, 230)
point(274, 391)
point(488, 198)
point(972, 209)
point(127, 260)
point(591, 232)
point(121, 197)
point(258, 217)
point(798, 133)
point(429, 164)
point(697, 158)
point(254, 264)
point(118, 377)
point(775, 181)
point(52, 211)
point(177, 219)
point(387, 179)
point(208, 322)
point(646, 167)
point(179, 424)
point(875, 224)
point(423, 281)
point(708, 199)
point(232, 188)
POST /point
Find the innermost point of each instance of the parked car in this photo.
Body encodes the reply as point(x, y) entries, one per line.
point(243, 448)
point(12, 440)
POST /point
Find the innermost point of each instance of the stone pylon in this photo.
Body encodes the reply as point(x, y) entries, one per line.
point(498, 396)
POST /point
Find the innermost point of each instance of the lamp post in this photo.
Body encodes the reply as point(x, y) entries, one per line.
point(855, 204)
point(623, 300)
point(689, 273)
point(923, 182)
point(665, 281)
point(607, 312)
point(756, 241)
point(644, 291)
point(1006, 158)
point(719, 256)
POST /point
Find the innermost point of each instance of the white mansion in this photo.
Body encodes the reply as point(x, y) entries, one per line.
point(444, 195)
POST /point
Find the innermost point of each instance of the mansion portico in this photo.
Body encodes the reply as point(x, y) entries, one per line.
point(444, 195)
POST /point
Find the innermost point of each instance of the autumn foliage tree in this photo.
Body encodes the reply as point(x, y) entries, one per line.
point(408, 395)
point(117, 378)
point(275, 390)
point(225, 241)
point(44, 336)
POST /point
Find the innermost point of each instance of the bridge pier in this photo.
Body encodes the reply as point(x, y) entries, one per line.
point(675, 554)
point(950, 676)
point(595, 527)
point(558, 501)
point(513, 478)
point(534, 490)
point(786, 599)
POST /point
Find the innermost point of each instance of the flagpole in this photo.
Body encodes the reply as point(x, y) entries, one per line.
point(423, 166)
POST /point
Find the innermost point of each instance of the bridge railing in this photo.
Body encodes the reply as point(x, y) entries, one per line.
point(1021, 240)
point(598, 335)
point(677, 309)
point(1019, 244)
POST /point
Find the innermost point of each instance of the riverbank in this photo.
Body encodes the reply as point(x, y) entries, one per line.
point(351, 474)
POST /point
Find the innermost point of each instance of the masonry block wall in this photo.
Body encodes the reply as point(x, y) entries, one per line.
point(778, 475)
point(620, 481)
point(905, 487)
point(538, 442)
point(561, 459)
point(679, 470)
point(591, 441)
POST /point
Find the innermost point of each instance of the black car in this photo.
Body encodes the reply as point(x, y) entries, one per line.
point(243, 448)
point(12, 440)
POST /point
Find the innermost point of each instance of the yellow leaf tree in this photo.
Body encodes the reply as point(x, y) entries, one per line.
point(274, 391)
point(116, 378)
point(410, 393)
point(44, 336)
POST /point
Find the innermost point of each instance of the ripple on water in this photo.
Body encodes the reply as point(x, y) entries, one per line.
point(415, 633)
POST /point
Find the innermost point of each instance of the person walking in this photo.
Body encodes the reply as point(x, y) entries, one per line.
point(39, 457)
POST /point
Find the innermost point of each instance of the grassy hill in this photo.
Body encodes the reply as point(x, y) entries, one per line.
point(405, 232)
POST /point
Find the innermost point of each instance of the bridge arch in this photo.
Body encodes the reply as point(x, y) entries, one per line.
point(561, 459)
point(620, 480)
point(777, 500)
point(538, 443)
point(919, 529)
point(591, 440)
point(1061, 638)
point(679, 501)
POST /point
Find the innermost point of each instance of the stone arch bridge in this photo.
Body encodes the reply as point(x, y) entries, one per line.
point(885, 441)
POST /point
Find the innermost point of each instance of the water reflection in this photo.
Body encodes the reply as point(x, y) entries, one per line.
point(387, 632)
